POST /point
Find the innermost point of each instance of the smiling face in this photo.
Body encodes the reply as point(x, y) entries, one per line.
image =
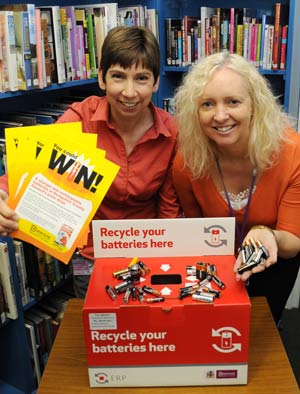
point(128, 91)
point(225, 111)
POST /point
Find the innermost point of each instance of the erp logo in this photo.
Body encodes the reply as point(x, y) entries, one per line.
point(101, 378)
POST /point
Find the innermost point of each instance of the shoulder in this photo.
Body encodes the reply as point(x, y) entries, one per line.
point(83, 109)
point(292, 140)
point(91, 104)
point(289, 157)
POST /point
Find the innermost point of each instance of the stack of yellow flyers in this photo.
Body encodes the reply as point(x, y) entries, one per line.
point(57, 180)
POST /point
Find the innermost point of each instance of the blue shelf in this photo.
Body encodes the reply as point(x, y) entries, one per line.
point(52, 87)
point(170, 69)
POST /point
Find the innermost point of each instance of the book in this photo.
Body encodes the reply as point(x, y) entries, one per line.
point(66, 43)
point(269, 48)
point(172, 27)
point(3, 306)
point(105, 18)
point(40, 335)
point(70, 14)
point(44, 115)
point(52, 15)
point(92, 41)
point(33, 349)
point(30, 9)
point(47, 326)
point(58, 44)
point(48, 61)
point(25, 120)
point(32, 270)
point(83, 32)
point(9, 49)
point(231, 30)
point(81, 51)
point(283, 47)
point(24, 66)
point(5, 124)
point(40, 52)
point(188, 24)
point(276, 38)
point(262, 41)
point(134, 15)
point(205, 15)
point(4, 80)
point(7, 281)
point(22, 273)
point(152, 21)
point(224, 29)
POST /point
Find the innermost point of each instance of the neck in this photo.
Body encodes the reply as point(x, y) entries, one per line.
point(230, 153)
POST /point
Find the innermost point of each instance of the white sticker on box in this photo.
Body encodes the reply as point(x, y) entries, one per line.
point(103, 321)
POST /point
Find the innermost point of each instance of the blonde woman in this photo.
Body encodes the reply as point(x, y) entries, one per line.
point(238, 156)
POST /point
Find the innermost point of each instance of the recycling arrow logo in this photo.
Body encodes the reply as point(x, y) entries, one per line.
point(226, 342)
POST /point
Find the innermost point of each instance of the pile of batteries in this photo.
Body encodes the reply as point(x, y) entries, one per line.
point(202, 291)
point(130, 284)
point(252, 253)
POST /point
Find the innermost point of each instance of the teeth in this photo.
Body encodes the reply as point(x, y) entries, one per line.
point(224, 129)
point(129, 105)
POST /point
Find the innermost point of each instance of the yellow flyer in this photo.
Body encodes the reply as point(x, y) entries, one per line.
point(21, 139)
point(60, 193)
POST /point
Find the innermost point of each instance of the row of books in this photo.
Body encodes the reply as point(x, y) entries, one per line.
point(41, 323)
point(46, 45)
point(37, 273)
point(259, 37)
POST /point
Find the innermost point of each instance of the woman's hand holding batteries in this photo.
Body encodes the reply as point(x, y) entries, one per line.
point(8, 217)
point(258, 252)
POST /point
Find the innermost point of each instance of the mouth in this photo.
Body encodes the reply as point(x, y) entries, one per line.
point(128, 105)
point(224, 130)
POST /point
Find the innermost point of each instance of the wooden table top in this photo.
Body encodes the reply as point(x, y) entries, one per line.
point(269, 368)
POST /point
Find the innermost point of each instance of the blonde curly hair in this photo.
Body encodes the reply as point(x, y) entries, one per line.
point(268, 121)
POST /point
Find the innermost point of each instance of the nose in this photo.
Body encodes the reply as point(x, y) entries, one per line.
point(220, 113)
point(129, 89)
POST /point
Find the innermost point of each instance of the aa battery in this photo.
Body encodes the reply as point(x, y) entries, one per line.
point(120, 288)
point(203, 297)
point(201, 270)
point(153, 300)
point(191, 270)
point(120, 272)
point(111, 292)
point(127, 295)
point(150, 290)
point(140, 294)
point(144, 269)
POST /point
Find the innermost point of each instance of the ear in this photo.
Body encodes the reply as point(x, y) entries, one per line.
point(155, 86)
point(101, 83)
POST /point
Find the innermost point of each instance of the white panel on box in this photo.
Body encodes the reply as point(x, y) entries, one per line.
point(163, 237)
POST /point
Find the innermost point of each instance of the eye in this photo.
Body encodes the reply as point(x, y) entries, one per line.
point(143, 78)
point(233, 101)
point(117, 75)
point(206, 104)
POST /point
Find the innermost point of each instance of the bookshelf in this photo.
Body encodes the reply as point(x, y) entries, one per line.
point(15, 367)
point(286, 82)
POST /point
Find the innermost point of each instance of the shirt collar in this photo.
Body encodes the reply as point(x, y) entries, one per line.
point(102, 113)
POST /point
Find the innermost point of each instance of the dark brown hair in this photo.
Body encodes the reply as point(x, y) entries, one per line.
point(129, 46)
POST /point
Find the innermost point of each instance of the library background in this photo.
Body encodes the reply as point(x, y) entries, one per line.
point(48, 59)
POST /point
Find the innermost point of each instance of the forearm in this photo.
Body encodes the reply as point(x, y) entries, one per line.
point(288, 244)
